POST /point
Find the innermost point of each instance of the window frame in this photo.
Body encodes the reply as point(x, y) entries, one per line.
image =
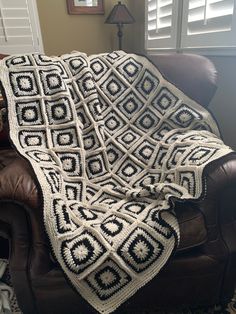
point(33, 19)
point(181, 14)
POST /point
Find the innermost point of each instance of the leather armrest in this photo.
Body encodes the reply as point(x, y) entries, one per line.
point(220, 180)
point(193, 74)
point(21, 255)
point(17, 182)
point(21, 210)
point(219, 207)
point(30, 248)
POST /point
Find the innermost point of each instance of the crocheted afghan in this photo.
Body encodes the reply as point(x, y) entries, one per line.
point(112, 144)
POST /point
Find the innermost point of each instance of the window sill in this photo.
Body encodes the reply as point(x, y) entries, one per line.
point(229, 51)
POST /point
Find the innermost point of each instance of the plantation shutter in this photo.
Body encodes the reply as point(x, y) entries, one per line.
point(19, 27)
point(161, 24)
point(208, 24)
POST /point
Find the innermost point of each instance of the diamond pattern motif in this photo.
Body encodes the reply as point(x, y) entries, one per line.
point(86, 85)
point(144, 151)
point(19, 60)
point(128, 138)
point(74, 190)
point(24, 83)
point(52, 82)
point(133, 208)
point(114, 153)
point(199, 155)
point(33, 139)
point(113, 122)
point(81, 252)
point(147, 121)
point(99, 68)
point(65, 137)
point(162, 130)
point(130, 105)
point(58, 111)
point(96, 166)
point(140, 250)
point(112, 226)
point(29, 113)
point(148, 84)
point(41, 157)
point(128, 170)
point(130, 69)
point(113, 87)
point(184, 116)
point(108, 280)
point(71, 163)
point(91, 141)
point(164, 100)
point(76, 64)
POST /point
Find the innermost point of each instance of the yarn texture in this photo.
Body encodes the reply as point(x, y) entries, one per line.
point(113, 144)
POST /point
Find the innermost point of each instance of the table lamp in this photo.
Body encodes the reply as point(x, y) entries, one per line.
point(120, 15)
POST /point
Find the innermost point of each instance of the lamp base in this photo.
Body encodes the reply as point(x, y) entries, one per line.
point(120, 35)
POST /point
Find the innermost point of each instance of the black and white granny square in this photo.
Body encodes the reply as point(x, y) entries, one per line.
point(112, 143)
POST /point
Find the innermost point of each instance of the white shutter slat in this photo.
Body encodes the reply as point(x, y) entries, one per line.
point(152, 26)
point(215, 8)
point(16, 40)
point(220, 8)
point(164, 3)
point(196, 14)
point(15, 13)
point(15, 23)
point(164, 22)
point(214, 25)
point(208, 24)
point(14, 3)
point(19, 27)
point(163, 33)
point(151, 16)
point(19, 31)
point(161, 23)
point(165, 11)
point(194, 4)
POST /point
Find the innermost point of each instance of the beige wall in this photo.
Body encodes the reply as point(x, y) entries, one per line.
point(63, 33)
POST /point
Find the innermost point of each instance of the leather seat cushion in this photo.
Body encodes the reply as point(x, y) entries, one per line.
point(17, 182)
point(193, 230)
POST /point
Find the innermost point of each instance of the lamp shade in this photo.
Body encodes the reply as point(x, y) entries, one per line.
point(120, 15)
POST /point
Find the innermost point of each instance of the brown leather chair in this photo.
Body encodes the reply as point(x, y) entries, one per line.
point(201, 272)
